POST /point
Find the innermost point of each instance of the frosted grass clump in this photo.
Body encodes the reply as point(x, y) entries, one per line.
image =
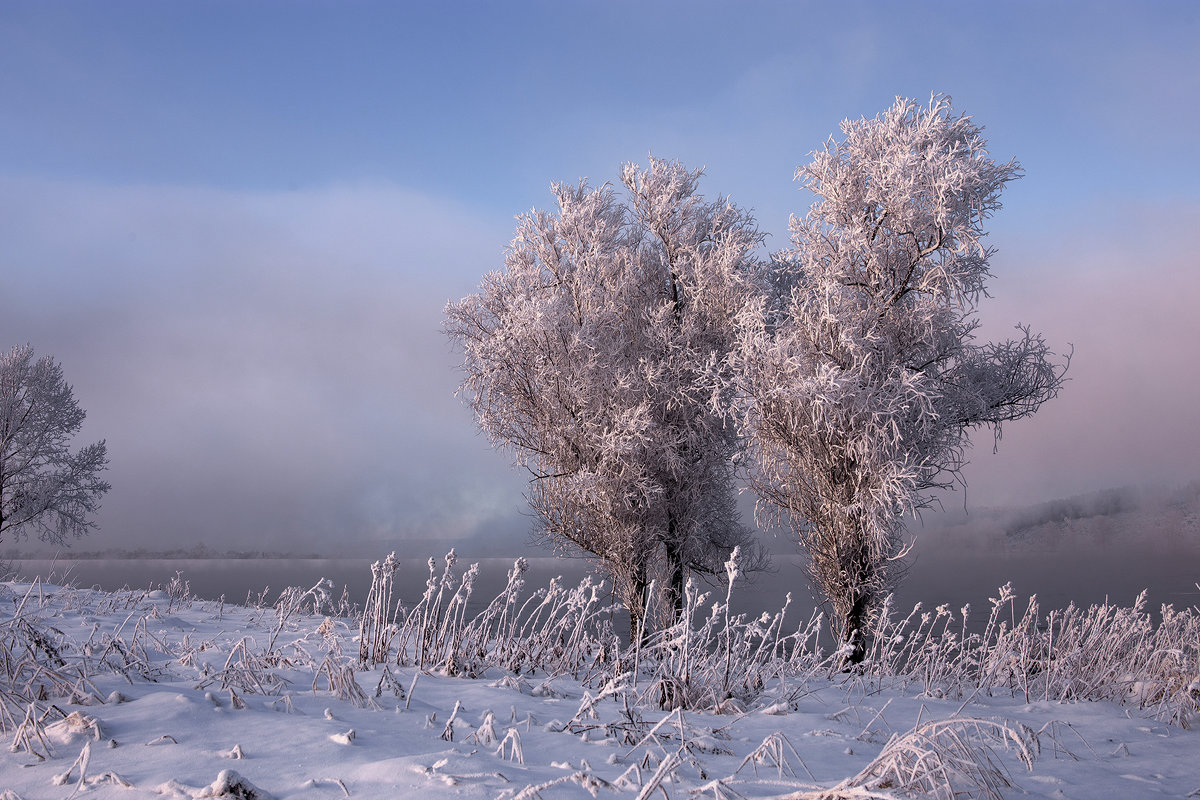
point(712, 659)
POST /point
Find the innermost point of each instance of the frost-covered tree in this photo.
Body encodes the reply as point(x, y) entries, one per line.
point(863, 378)
point(44, 488)
point(584, 355)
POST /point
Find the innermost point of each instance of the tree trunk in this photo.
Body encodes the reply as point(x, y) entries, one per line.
point(854, 630)
point(636, 602)
point(860, 591)
point(677, 581)
point(675, 569)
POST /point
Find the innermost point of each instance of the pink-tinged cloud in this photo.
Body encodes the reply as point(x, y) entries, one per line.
point(1123, 285)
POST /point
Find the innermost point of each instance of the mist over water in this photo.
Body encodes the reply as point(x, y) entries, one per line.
point(1098, 548)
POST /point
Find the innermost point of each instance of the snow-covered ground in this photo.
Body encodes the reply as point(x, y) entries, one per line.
point(149, 694)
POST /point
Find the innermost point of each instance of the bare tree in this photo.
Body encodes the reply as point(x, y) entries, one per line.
point(44, 488)
point(862, 377)
point(584, 356)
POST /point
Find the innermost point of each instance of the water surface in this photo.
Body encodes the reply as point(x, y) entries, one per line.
point(951, 573)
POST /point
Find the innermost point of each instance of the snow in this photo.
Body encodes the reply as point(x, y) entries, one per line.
point(190, 709)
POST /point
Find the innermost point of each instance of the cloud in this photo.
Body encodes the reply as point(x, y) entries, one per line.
point(267, 368)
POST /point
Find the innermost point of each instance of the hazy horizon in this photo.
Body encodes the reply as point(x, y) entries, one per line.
point(1125, 515)
point(236, 227)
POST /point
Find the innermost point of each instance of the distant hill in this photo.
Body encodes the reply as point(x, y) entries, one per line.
point(1157, 516)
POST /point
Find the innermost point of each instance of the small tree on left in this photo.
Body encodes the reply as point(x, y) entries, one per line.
point(44, 488)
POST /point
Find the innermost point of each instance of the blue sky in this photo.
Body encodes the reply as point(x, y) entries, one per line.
point(236, 223)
